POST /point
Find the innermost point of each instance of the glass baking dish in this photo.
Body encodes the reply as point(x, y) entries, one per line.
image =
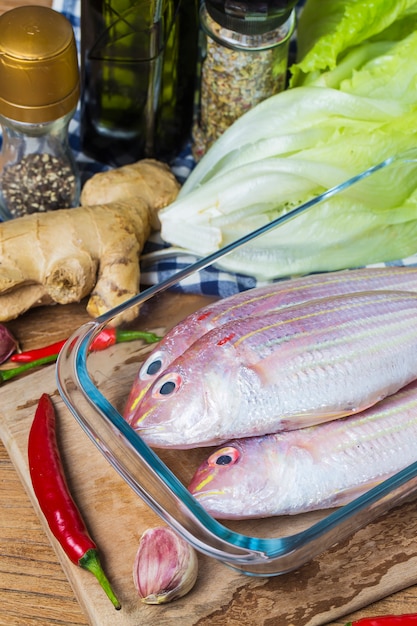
point(256, 547)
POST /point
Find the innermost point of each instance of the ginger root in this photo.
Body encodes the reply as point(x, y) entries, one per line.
point(130, 181)
point(93, 250)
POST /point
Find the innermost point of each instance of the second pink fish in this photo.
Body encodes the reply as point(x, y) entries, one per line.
point(300, 366)
point(312, 468)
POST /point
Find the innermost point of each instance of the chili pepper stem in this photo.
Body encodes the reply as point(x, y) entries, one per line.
point(16, 371)
point(130, 335)
point(91, 562)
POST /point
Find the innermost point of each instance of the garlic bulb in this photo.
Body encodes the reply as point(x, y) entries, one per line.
point(8, 343)
point(165, 566)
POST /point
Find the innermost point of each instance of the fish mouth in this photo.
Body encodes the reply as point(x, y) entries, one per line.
point(136, 420)
point(158, 437)
point(151, 435)
point(147, 427)
point(209, 493)
point(199, 488)
point(213, 502)
point(209, 500)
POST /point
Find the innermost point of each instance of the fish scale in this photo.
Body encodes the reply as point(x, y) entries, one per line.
point(313, 468)
point(288, 369)
point(307, 332)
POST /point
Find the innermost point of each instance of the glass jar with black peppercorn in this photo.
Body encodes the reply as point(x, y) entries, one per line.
point(39, 91)
point(244, 57)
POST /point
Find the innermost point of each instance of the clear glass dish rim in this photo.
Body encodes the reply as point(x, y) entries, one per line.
point(257, 556)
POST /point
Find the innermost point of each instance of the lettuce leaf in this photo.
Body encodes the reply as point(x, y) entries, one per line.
point(283, 124)
point(328, 29)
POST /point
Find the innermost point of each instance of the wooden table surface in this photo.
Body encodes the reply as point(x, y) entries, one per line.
point(34, 589)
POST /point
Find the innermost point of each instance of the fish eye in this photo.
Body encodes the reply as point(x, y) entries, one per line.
point(167, 388)
point(167, 385)
point(151, 366)
point(225, 456)
point(154, 367)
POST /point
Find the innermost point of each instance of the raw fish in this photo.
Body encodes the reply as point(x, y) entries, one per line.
point(259, 301)
point(288, 369)
point(311, 468)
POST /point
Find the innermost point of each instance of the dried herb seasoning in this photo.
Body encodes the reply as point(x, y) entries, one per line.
point(239, 69)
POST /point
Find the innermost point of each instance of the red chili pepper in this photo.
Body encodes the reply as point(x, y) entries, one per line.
point(106, 338)
point(55, 501)
point(387, 620)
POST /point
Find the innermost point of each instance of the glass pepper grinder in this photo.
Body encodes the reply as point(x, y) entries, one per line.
point(244, 58)
point(39, 91)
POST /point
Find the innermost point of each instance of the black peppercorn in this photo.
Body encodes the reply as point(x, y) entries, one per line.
point(39, 182)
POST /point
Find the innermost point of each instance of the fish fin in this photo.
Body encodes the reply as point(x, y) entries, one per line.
point(348, 495)
point(312, 418)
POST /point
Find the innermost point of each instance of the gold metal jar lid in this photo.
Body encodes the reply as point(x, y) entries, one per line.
point(39, 77)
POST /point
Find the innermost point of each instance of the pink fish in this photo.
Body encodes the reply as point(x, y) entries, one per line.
point(288, 369)
point(259, 301)
point(312, 468)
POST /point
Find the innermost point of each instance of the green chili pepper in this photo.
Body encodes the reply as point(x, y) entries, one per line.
point(16, 371)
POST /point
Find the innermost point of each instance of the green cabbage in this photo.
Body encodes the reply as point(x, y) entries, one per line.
point(352, 103)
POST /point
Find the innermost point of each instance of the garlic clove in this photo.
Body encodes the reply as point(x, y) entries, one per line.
point(8, 343)
point(165, 567)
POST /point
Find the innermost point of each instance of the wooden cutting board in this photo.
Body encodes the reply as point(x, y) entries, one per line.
point(375, 562)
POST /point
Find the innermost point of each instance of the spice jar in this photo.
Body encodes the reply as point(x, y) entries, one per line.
point(244, 57)
point(39, 91)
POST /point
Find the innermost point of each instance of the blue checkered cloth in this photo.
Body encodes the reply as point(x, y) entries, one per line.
point(210, 281)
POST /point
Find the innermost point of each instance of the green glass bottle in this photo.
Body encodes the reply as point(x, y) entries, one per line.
point(138, 61)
